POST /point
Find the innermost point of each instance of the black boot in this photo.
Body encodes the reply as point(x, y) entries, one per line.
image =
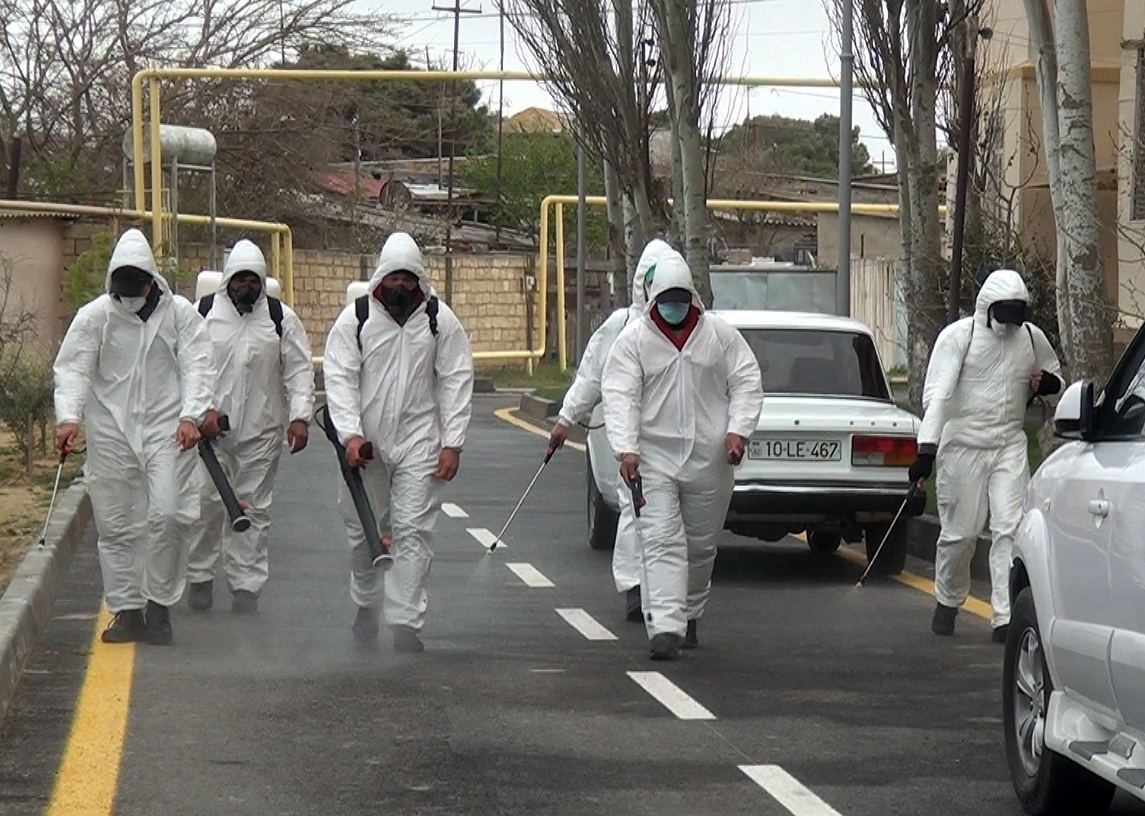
point(1000, 632)
point(406, 639)
point(366, 626)
point(244, 602)
point(943, 621)
point(632, 605)
point(690, 639)
point(157, 630)
point(125, 627)
point(201, 596)
point(665, 646)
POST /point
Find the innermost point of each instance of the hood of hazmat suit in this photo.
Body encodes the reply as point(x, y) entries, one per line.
point(674, 407)
point(405, 389)
point(978, 379)
point(131, 381)
point(264, 381)
point(584, 393)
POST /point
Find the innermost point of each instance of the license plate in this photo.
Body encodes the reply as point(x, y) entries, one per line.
point(797, 450)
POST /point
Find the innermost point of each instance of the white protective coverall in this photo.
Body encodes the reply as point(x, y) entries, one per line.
point(264, 383)
point(674, 410)
point(409, 393)
point(975, 398)
point(584, 394)
point(131, 382)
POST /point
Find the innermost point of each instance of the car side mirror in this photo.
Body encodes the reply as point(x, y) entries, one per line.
point(1076, 414)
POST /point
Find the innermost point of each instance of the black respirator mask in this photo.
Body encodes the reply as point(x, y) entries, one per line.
point(245, 296)
point(399, 301)
point(1010, 312)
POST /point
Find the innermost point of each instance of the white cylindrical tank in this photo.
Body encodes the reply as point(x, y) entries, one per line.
point(355, 290)
point(189, 145)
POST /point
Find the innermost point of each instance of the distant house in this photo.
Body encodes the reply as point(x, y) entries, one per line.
point(535, 120)
point(340, 183)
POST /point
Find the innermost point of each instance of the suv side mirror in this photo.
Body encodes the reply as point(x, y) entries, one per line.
point(1076, 415)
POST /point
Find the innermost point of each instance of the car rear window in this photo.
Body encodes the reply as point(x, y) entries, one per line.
point(810, 361)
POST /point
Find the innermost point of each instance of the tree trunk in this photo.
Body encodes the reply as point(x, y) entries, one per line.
point(677, 223)
point(927, 312)
point(1090, 349)
point(676, 53)
point(617, 247)
point(633, 239)
point(1046, 71)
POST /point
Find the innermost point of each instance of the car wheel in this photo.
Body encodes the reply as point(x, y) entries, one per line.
point(1047, 783)
point(893, 557)
point(821, 542)
point(602, 519)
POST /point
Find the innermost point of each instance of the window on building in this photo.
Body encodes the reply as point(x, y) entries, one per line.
point(1139, 142)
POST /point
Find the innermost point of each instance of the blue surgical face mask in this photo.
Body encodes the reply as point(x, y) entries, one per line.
point(673, 313)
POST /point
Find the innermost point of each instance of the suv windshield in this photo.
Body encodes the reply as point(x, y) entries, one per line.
point(812, 361)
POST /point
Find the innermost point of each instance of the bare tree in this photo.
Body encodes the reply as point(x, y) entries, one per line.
point(693, 47)
point(595, 55)
point(66, 68)
point(900, 48)
point(1061, 45)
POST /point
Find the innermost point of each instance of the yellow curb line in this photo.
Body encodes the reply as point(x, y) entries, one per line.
point(506, 415)
point(88, 778)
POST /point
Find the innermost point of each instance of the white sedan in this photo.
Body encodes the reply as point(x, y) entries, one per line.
point(830, 453)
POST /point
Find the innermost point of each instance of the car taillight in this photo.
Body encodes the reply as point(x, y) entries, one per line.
point(883, 451)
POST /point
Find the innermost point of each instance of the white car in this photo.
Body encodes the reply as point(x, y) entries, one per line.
point(1074, 668)
point(829, 455)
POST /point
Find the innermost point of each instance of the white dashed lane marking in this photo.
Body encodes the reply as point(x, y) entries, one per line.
point(671, 696)
point(453, 511)
point(530, 575)
point(788, 791)
point(486, 538)
point(586, 624)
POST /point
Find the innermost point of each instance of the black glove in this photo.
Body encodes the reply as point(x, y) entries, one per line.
point(1050, 384)
point(922, 468)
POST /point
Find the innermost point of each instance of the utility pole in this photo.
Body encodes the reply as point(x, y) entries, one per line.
point(846, 100)
point(500, 118)
point(965, 159)
point(457, 12)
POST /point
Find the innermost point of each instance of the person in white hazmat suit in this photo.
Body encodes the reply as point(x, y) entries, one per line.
point(136, 369)
point(682, 394)
point(984, 372)
point(265, 387)
point(583, 396)
point(403, 380)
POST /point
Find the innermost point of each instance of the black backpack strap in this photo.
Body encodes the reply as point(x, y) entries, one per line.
point(205, 304)
point(274, 306)
point(431, 312)
point(362, 312)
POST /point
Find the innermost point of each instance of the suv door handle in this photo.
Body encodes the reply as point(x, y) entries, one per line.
point(1099, 507)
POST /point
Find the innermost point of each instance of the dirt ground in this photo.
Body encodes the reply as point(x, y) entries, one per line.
point(24, 501)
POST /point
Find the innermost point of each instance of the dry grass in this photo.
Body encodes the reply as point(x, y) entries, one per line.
point(24, 501)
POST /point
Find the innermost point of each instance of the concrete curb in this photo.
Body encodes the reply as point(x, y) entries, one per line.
point(922, 536)
point(538, 408)
point(27, 604)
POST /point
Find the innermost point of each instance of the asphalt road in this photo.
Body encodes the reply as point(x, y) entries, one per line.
point(807, 697)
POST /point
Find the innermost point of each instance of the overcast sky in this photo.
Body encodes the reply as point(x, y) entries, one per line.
point(773, 38)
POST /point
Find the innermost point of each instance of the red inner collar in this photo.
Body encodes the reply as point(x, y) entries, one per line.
point(678, 335)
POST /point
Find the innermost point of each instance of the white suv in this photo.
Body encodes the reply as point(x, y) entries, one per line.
point(830, 452)
point(1074, 672)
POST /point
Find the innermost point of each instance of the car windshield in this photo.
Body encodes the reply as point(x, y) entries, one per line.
point(823, 363)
